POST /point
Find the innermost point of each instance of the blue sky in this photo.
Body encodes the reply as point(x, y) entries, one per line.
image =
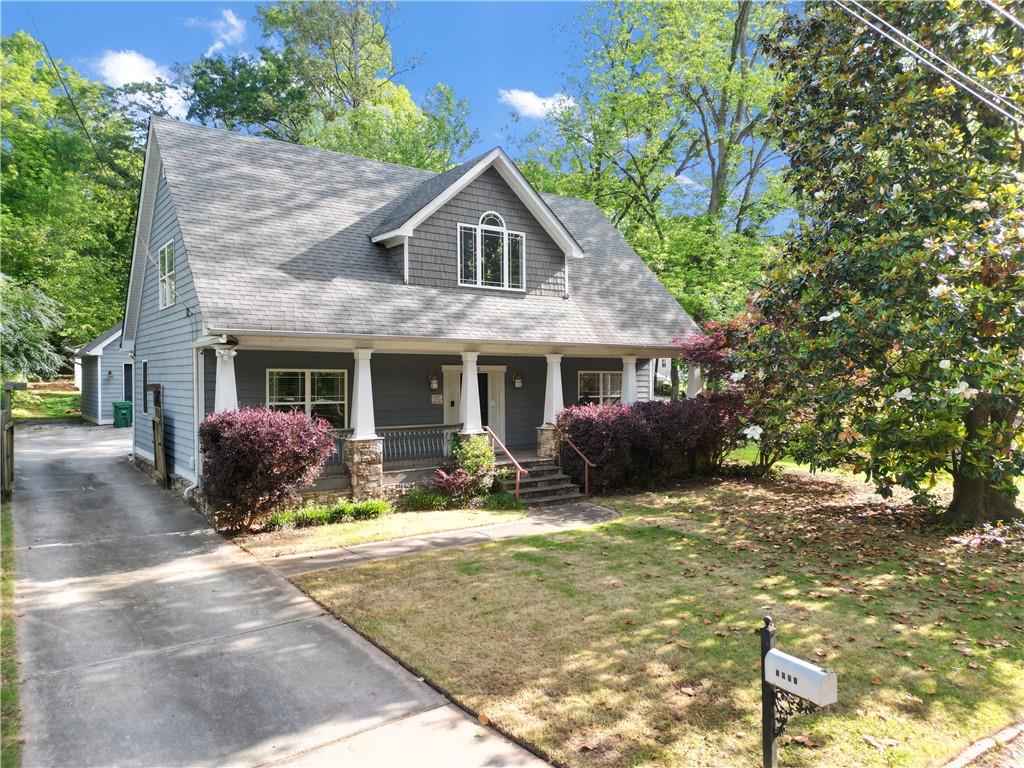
point(479, 48)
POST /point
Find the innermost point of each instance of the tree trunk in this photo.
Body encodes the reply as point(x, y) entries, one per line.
point(674, 373)
point(975, 501)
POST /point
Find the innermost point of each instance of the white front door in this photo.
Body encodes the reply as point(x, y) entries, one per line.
point(493, 390)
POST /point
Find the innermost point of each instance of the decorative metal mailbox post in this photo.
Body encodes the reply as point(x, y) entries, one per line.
point(788, 685)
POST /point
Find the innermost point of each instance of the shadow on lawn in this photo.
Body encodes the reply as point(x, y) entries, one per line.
point(633, 642)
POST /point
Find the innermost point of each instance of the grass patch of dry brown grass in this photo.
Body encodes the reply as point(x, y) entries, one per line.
point(632, 643)
point(394, 526)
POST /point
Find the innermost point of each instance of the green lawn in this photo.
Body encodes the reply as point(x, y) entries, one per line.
point(44, 404)
point(633, 643)
point(394, 526)
point(10, 740)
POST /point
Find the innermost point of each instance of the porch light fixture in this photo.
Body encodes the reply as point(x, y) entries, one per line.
point(434, 383)
point(517, 381)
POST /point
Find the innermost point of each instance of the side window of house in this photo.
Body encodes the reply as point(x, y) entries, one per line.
point(165, 262)
point(599, 386)
point(315, 392)
point(490, 255)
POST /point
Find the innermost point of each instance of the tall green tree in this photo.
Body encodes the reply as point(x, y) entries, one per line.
point(70, 163)
point(327, 77)
point(27, 326)
point(894, 315)
point(664, 127)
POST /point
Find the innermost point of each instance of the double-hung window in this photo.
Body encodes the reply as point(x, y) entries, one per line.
point(600, 386)
point(318, 393)
point(491, 256)
point(165, 263)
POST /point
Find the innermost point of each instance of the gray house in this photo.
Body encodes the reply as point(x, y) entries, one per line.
point(107, 375)
point(401, 305)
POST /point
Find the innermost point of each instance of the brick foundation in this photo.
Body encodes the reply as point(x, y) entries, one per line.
point(547, 442)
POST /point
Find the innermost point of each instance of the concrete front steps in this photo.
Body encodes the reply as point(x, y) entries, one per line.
point(545, 485)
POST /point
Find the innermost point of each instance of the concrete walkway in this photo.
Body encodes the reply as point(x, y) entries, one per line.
point(537, 522)
point(145, 639)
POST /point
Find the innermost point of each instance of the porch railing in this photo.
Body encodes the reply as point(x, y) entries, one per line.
point(496, 443)
point(417, 443)
point(587, 463)
point(336, 461)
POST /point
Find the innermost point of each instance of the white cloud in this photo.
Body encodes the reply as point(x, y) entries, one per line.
point(227, 30)
point(530, 104)
point(118, 68)
point(686, 181)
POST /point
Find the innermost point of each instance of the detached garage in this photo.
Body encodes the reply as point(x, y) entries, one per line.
point(107, 376)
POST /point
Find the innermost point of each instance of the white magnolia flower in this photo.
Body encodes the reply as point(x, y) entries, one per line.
point(737, 376)
point(940, 290)
point(964, 390)
point(819, 195)
point(830, 316)
point(897, 189)
point(945, 365)
point(753, 432)
point(904, 394)
point(975, 205)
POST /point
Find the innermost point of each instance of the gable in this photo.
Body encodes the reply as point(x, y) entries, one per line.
point(417, 205)
point(433, 249)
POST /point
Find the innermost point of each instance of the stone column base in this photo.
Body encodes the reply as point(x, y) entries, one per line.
point(365, 462)
point(547, 442)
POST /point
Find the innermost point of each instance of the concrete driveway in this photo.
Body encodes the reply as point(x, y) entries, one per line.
point(145, 639)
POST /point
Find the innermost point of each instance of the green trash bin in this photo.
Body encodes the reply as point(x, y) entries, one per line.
point(122, 413)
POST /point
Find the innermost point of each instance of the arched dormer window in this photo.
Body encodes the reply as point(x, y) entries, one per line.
point(491, 256)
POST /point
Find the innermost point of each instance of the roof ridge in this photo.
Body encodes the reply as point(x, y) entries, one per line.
point(267, 140)
point(335, 153)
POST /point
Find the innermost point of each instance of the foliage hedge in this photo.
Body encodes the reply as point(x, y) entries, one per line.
point(256, 459)
point(343, 511)
point(654, 439)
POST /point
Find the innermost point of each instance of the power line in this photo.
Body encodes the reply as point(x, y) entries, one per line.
point(930, 65)
point(1005, 13)
point(929, 52)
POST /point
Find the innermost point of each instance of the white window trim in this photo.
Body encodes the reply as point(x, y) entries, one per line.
point(479, 229)
point(309, 403)
point(601, 393)
point(162, 277)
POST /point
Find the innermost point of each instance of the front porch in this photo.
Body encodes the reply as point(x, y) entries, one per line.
point(394, 414)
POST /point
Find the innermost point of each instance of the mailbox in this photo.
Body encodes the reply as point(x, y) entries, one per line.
point(799, 677)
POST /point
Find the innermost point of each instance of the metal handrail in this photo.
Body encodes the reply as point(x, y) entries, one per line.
point(519, 468)
point(587, 463)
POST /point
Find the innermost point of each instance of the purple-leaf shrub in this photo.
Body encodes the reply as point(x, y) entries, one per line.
point(455, 483)
point(654, 439)
point(255, 459)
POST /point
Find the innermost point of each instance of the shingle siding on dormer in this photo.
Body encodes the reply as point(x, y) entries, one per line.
point(433, 249)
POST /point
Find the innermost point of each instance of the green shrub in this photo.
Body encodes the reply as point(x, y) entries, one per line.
point(279, 520)
point(500, 500)
point(343, 511)
point(474, 454)
point(371, 509)
point(419, 499)
point(306, 517)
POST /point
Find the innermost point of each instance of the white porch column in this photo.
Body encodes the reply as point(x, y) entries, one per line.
point(628, 396)
point(363, 426)
point(553, 389)
point(694, 383)
point(469, 402)
point(226, 393)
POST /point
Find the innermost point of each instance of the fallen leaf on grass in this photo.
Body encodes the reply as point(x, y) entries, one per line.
point(881, 743)
point(803, 741)
point(876, 681)
point(587, 747)
point(686, 691)
point(484, 719)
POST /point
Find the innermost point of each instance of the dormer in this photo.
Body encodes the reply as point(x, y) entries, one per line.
point(479, 226)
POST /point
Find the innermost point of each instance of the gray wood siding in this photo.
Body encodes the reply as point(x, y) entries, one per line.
point(89, 388)
point(112, 377)
point(164, 342)
point(433, 249)
point(644, 373)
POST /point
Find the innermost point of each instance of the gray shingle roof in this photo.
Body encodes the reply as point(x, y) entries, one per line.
point(90, 348)
point(277, 238)
point(417, 198)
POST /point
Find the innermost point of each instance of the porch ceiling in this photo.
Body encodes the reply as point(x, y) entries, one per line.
point(419, 346)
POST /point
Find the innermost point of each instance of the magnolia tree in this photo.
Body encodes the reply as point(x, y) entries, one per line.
point(894, 317)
